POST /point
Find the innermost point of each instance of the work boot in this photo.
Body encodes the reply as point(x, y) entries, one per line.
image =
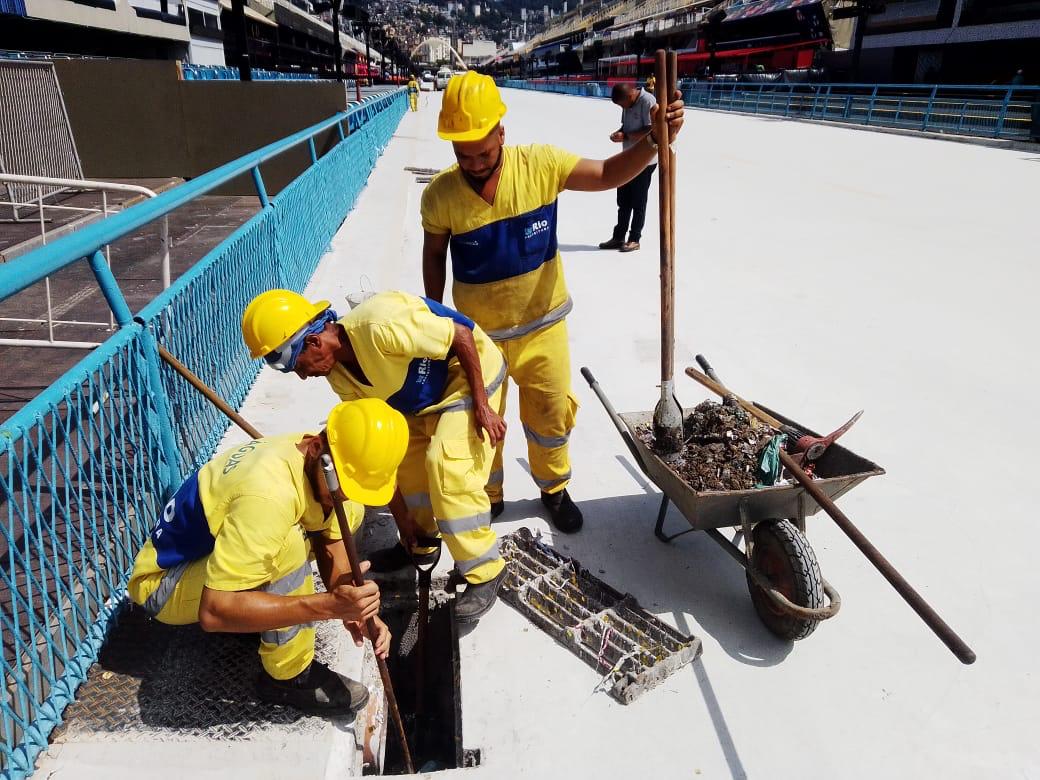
point(317, 690)
point(497, 508)
point(395, 558)
point(614, 243)
point(629, 246)
point(476, 600)
point(563, 512)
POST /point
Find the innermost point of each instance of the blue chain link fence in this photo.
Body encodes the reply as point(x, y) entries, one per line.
point(1010, 113)
point(86, 466)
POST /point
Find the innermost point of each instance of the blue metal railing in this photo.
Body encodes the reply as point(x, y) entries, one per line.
point(225, 73)
point(87, 464)
point(989, 112)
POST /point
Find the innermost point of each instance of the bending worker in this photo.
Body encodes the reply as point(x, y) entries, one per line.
point(496, 209)
point(232, 550)
point(439, 369)
point(413, 93)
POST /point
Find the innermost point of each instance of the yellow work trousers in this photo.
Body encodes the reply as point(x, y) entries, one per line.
point(413, 101)
point(442, 481)
point(540, 364)
point(172, 597)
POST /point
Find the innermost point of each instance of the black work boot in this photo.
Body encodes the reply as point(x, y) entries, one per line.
point(563, 512)
point(476, 600)
point(317, 690)
point(497, 508)
point(614, 243)
point(395, 558)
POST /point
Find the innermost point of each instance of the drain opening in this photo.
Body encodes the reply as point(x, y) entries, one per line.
point(435, 734)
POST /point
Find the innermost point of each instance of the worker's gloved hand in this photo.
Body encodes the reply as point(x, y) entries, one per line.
point(490, 421)
point(381, 643)
point(356, 603)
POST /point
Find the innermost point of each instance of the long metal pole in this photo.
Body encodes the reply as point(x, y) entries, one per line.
point(335, 41)
point(931, 618)
point(332, 480)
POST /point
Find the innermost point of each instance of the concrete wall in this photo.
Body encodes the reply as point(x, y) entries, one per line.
point(135, 119)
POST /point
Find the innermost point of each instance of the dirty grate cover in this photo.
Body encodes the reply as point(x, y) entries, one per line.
point(608, 630)
point(179, 683)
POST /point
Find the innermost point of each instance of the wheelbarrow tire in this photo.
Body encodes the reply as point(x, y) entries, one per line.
point(783, 555)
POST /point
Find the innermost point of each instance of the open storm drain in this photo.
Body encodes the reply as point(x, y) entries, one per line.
point(608, 630)
point(426, 682)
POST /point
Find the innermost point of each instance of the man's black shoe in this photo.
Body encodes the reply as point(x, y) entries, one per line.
point(614, 243)
point(563, 512)
point(497, 508)
point(317, 690)
point(476, 600)
point(395, 558)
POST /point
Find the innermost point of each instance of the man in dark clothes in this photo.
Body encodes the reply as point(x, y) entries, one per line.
point(631, 198)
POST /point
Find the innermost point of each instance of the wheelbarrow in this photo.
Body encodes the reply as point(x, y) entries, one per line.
point(789, 594)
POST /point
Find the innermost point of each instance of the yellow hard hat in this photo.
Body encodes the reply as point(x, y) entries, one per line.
point(471, 108)
point(367, 439)
point(274, 317)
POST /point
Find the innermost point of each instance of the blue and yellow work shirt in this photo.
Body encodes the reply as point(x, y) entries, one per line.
point(239, 509)
point(401, 342)
point(504, 256)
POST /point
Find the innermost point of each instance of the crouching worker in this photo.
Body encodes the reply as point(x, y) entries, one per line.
point(444, 373)
point(233, 548)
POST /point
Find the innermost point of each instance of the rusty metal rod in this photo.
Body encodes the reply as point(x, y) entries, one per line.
point(917, 603)
point(207, 391)
point(332, 480)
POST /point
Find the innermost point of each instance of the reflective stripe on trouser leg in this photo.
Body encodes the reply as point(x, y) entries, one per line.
point(173, 598)
point(541, 368)
point(285, 652)
point(411, 474)
point(458, 465)
point(494, 487)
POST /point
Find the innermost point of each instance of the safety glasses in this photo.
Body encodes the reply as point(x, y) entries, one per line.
point(284, 357)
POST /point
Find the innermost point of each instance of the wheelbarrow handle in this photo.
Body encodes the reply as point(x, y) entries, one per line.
point(614, 417)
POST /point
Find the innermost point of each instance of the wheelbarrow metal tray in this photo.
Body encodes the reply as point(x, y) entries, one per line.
point(838, 471)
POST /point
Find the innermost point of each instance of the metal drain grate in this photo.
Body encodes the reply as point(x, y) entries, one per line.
point(606, 629)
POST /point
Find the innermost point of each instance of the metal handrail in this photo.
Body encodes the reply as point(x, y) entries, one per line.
point(41, 263)
point(79, 184)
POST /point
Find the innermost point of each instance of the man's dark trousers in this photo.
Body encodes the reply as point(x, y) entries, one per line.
point(631, 205)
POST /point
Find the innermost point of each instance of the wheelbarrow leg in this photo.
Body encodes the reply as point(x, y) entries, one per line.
point(659, 528)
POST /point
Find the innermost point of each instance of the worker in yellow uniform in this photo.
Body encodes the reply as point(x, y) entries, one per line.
point(232, 550)
point(413, 93)
point(496, 210)
point(651, 83)
point(439, 369)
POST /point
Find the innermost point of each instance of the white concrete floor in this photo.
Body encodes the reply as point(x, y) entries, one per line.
point(822, 270)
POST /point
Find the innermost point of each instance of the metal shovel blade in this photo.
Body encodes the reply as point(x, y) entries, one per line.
point(668, 426)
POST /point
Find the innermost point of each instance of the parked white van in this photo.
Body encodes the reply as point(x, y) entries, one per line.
point(443, 76)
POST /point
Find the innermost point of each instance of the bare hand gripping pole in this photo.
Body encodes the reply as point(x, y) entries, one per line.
point(332, 480)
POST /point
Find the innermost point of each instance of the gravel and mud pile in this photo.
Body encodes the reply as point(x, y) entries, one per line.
point(721, 447)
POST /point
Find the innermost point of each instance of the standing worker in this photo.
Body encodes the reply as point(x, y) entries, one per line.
point(651, 83)
point(232, 550)
point(636, 108)
point(413, 93)
point(496, 209)
point(439, 369)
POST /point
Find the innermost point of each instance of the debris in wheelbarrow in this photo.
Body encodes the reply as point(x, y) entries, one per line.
point(722, 446)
